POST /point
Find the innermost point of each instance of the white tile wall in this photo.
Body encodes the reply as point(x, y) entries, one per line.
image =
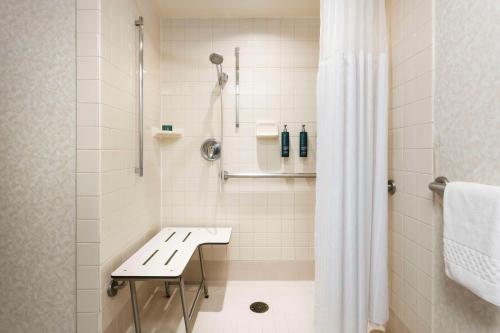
point(87, 179)
point(87, 322)
point(271, 219)
point(130, 204)
point(115, 208)
point(411, 163)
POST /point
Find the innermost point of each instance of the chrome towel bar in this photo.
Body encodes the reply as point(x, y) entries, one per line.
point(391, 185)
point(439, 185)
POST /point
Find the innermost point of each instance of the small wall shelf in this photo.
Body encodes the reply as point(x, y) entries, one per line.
point(266, 130)
point(176, 133)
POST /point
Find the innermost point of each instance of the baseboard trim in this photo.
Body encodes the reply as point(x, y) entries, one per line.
point(252, 271)
point(396, 325)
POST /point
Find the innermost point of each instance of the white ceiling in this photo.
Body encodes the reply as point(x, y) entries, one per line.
point(238, 8)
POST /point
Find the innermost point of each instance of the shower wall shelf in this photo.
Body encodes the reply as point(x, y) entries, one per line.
point(266, 130)
point(176, 133)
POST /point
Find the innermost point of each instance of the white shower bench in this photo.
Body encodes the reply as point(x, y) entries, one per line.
point(165, 257)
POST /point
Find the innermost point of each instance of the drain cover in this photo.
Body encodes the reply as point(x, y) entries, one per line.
point(259, 307)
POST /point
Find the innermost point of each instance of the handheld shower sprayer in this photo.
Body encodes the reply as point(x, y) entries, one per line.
point(217, 60)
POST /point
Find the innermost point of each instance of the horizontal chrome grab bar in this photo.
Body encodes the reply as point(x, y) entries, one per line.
point(439, 185)
point(228, 175)
point(391, 185)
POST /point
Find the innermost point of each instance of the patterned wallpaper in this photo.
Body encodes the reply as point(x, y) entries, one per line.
point(467, 137)
point(37, 166)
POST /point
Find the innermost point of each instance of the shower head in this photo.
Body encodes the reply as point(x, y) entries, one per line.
point(216, 59)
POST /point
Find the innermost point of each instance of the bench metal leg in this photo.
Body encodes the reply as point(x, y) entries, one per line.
point(167, 289)
point(183, 301)
point(135, 307)
point(205, 289)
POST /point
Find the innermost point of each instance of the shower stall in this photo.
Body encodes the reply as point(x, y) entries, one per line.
point(271, 65)
point(187, 97)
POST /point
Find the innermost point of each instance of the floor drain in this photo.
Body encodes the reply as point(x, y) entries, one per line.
point(259, 307)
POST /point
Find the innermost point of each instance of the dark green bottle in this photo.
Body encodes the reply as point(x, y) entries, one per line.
point(285, 143)
point(303, 142)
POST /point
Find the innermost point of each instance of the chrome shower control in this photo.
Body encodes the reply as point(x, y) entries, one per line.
point(210, 149)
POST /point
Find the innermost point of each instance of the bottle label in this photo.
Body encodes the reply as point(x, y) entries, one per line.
point(303, 144)
point(285, 144)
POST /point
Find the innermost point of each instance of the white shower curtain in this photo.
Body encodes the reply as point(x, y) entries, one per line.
point(351, 187)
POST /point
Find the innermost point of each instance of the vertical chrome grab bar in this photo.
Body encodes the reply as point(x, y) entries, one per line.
point(140, 23)
point(237, 83)
point(221, 158)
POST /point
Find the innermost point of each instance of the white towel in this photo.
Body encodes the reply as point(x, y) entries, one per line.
point(472, 238)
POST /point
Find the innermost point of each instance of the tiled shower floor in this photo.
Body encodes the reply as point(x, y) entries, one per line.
point(291, 305)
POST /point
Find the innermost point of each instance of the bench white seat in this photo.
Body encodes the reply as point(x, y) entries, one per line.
point(167, 254)
point(165, 257)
